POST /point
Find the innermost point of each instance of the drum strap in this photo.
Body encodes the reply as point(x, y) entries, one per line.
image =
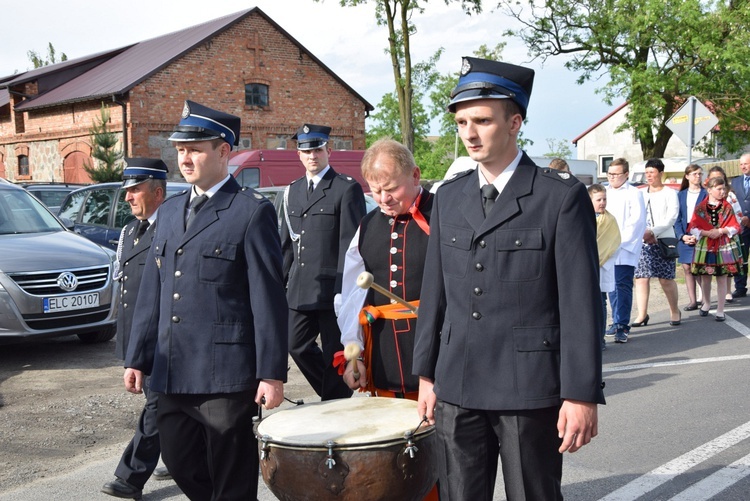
point(367, 316)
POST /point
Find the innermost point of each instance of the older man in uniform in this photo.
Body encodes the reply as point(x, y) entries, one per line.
point(145, 183)
point(507, 347)
point(212, 316)
point(323, 210)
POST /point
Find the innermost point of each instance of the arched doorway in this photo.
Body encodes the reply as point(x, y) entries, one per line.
point(73, 171)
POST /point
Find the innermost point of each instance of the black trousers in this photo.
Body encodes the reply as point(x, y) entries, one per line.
point(471, 440)
point(142, 453)
point(208, 445)
point(740, 280)
point(316, 364)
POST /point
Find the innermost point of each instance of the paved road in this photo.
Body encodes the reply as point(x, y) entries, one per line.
point(676, 426)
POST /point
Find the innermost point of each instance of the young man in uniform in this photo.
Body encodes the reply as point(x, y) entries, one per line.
point(507, 347)
point(323, 210)
point(211, 316)
point(145, 183)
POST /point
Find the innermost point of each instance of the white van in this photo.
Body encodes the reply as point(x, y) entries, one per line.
point(584, 170)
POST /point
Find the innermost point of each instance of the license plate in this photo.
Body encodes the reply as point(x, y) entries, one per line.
point(68, 303)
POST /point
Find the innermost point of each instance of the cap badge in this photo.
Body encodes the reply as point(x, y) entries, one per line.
point(306, 129)
point(465, 67)
point(132, 229)
point(186, 110)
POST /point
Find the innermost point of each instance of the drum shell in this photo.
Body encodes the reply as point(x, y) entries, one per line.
point(367, 473)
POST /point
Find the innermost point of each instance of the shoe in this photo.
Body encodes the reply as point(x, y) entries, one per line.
point(691, 307)
point(739, 293)
point(675, 323)
point(719, 318)
point(621, 337)
point(642, 323)
point(121, 489)
point(611, 330)
point(703, 313)
point(161, 473)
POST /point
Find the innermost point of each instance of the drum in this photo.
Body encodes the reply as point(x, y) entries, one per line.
point(361, 448)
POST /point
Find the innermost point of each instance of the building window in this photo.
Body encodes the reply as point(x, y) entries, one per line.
point(23, 166)
point(604, 164)
point(256, 95)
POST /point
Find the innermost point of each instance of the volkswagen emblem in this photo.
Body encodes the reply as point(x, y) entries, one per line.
point(67, 281)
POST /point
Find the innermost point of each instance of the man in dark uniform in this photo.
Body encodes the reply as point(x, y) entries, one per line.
point(507, 346)
point(145, 183)
point(211, 316)
point(323, 210)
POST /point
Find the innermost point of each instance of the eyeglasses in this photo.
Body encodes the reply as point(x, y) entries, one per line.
point(614, 174)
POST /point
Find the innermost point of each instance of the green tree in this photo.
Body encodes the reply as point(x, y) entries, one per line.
point(656, 53)
point(38, 61)
point(105, 151)
point(558, 149)
point(397, 15)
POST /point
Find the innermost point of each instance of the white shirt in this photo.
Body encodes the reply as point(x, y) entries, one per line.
point(626, 205)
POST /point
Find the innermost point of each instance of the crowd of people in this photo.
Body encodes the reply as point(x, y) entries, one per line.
point(504, 354)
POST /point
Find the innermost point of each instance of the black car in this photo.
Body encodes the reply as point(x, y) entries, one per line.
point(98, 212)
point(51, 194)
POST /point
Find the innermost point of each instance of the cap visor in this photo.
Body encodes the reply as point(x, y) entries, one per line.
point(193, 136)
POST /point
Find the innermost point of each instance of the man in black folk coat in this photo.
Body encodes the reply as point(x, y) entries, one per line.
point(145, 183)
point(323, 211)
point(212, 316)
point(507, 345)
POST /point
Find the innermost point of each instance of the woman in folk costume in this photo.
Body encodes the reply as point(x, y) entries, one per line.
point(717, 251)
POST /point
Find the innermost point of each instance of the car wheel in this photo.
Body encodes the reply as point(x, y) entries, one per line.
point(101, 336)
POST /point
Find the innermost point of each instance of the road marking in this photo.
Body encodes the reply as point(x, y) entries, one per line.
point(663, 474)
point(717, 482)
point(739, 327)
point(619, 368)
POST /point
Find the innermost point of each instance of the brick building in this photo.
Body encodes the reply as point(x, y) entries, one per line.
point(243, 63)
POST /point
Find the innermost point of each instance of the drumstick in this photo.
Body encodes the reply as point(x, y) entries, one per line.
point(365, 280)
point(351, 353)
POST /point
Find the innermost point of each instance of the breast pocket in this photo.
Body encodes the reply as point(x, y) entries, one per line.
point(455, 249)
point(322, 217)
point(159, 248)
point(217, 262)
point(519, 254)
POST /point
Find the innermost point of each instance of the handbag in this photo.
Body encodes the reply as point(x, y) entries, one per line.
point(667, 245)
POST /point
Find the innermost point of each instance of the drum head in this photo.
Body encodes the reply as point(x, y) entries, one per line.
point(349, 421)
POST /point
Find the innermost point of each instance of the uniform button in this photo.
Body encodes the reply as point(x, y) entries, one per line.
point(394, 235)
point(304, 215)
point(124, 291)
point(482, 244)
point(176, 296)
point(394, 267)
point(302, 248)
point(124, 305)
point(391, 221)
point(518, 243)
point(178, 273)
point(476, 315)
point(302, 232)
point(479, 267)
point(478, 291)
point(127, 263)
point(125, 278)
point(302, 265)
point(545, 343)
point(394, 284)
point(217, 252)
point(180, 251)
point(453, 240)
point(394, 250)
point(321, 210)
point(176, 319)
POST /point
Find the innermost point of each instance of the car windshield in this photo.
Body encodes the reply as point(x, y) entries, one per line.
point(22, 213)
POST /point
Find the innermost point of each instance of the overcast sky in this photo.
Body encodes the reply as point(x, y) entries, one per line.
point(346, 39)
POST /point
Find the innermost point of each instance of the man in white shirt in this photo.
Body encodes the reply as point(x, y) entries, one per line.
point(625, 202)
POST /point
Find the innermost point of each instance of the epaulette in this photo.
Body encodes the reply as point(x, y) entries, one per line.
point(562, 176)
point(346, 177)
point(458, 175)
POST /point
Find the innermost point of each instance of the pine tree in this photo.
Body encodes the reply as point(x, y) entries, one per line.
point(105, 151)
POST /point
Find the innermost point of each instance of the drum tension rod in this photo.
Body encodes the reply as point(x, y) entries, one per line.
point(410, 449)
point(264, 449)
point(330, 462)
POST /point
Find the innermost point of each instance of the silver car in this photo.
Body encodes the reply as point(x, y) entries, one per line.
point(52, 281)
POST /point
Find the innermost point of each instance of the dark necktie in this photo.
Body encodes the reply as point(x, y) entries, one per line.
point(489, 194)
point(142, 227)
point(195, 206)
point(310, 189)
point(747, 185)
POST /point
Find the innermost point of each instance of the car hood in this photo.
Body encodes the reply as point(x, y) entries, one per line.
point(49, 251)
